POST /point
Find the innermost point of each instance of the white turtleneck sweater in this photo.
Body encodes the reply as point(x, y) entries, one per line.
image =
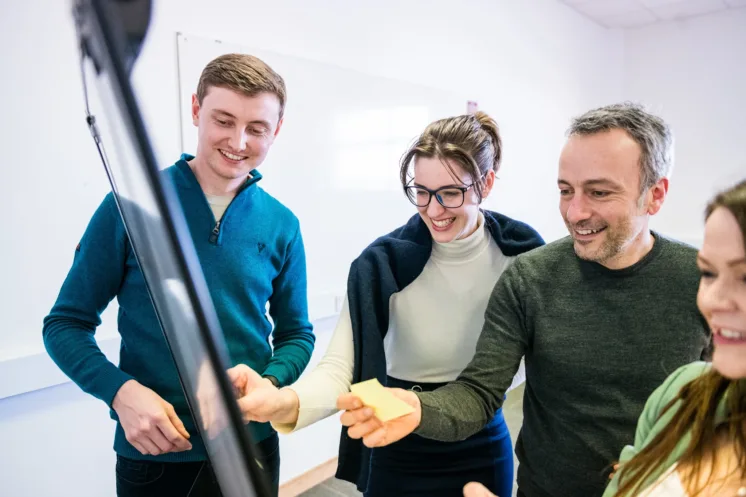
point(434, 324)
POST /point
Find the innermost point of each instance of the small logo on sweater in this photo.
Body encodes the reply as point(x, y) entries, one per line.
point(261, 247)
point(77, 249)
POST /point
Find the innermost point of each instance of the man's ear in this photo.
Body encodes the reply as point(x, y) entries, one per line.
point(279, 125)
point(656, 196)
point(195, 110)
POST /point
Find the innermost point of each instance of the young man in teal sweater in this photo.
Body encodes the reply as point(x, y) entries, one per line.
point(251, 251)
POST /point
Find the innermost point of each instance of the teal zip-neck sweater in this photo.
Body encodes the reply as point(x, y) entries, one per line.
point(253, 256)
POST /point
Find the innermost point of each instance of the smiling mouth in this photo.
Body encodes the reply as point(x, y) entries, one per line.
point(731, 334)
point(233, 157)
point(445, 223)
point(586, 232)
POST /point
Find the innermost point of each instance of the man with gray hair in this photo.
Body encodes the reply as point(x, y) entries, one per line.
point(602, 317)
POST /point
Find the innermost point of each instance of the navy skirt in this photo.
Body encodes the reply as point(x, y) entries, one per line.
point(416, 466)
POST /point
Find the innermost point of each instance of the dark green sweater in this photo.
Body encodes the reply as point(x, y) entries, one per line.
point(597, 343)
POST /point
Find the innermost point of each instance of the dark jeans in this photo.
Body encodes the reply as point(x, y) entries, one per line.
point(139, 478)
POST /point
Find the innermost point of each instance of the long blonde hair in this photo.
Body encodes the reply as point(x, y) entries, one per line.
point(698, 400)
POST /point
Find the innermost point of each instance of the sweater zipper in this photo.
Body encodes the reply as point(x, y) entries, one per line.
point(215, 232)
point(216, 229)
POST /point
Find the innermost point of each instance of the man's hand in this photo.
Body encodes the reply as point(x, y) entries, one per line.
point(363, 424)
point(259, 400)
point(245, 380)
point(150, 423)
point(475, 489)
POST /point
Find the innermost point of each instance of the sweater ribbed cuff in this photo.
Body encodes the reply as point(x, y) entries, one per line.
point(107, 383)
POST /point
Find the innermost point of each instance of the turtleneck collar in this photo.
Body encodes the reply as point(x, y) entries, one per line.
point(464, 249)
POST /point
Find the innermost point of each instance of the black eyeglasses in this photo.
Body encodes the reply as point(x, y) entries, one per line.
point(449, 197)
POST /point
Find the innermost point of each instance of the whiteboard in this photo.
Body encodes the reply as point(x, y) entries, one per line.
point(335, 162)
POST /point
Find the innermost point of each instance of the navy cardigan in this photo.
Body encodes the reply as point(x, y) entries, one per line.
point(385, 267)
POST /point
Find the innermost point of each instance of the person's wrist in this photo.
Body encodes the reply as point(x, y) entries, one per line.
point(289, 406)
point(274, 381)
point(116, 402)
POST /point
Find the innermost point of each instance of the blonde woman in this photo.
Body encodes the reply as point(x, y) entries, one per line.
point(691, 437)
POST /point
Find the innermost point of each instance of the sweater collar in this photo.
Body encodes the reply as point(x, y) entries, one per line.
point(464, 248)
point(187, 179)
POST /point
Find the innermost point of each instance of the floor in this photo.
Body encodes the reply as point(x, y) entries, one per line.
point(512, 409)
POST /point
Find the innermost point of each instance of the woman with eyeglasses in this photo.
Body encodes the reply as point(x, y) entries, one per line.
point(414, 310)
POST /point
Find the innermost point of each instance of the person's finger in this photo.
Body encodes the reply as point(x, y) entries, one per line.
point(350, 418)
point(150, 448)
point(253, 401)
point(171, 413)
point(249, 379)
point(474, 489)
point(139, 447)
point(157, 437)
point(376, 438)
point(348, 402)
point(176, 422)
point(359, 430)
point(172, 434)
point(237, 377)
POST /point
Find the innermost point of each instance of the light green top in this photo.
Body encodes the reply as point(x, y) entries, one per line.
point(651, 421)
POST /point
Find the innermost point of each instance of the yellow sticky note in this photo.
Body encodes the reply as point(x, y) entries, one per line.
point(385, 405)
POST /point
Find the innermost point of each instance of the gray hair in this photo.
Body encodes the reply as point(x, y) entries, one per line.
point(651, 133)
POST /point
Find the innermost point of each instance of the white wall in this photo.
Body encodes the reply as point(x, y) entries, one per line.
point(532, 65)
point(530, 72)
point(693, 73)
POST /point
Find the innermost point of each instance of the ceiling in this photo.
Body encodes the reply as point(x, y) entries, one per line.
point(633, 13)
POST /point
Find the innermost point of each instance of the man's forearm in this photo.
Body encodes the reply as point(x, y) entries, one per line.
point(456, 411)
point(291, 356)
point(76, 353)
